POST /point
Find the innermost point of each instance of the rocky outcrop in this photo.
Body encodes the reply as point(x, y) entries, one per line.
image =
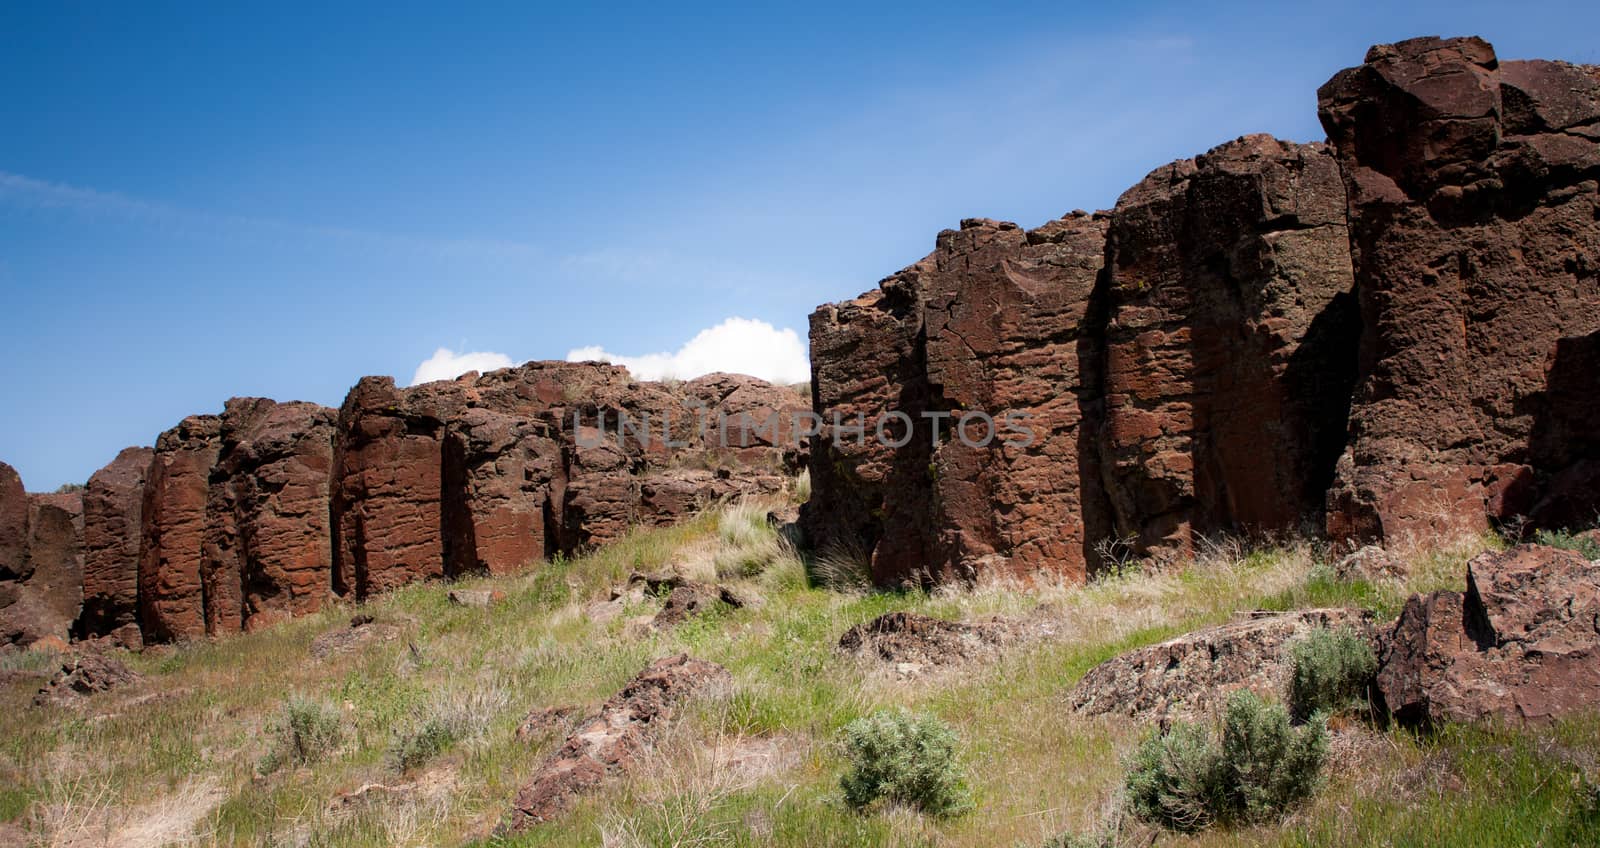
point(236, 521)
point(904, 471)
point(1475, 223)
point(82, 675)
point(268, 551)
point(912, 643)
point(1190, 677)
point(13, 525)
point(1388, 335)
point(171, 596)
point(1521, 645)
point(113, 528)
point(491, 472)
point(611, 741)
point(1229, 337)
point(41, 582)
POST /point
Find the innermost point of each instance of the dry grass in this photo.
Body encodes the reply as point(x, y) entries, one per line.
point(757, 765)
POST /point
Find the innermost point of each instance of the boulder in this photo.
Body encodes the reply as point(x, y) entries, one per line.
point(913, 643)
point(1520, 646)
point(611, 741)
point(113, 502)
point(174, 519)
point(1475, 226)
point(691, 598)
point(82, 675)
point(1190, 677)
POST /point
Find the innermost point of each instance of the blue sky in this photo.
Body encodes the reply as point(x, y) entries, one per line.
point(198, 202)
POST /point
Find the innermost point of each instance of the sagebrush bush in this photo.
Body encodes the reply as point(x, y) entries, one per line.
point(1586, 547)
point(305, 732)
point(449, 720)
point(417, 746)
point(1257, 766)
point(907, 758)
point(1332, 671)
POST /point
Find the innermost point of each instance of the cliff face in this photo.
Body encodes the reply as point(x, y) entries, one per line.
point(1390, 334)
point(991, 319)
point(267, 511)
point(113, 528)
point(41, 563)
point(1394, 333)
point(1476, 236)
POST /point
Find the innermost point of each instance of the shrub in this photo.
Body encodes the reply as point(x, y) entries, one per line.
point(1259, 767)
point(305, 732)
point(414, 748)
point(1587, 547)
point(458, 715)
point(1332, 669)
point(907, 758)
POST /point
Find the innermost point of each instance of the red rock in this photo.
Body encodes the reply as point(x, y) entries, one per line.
point(990, 321)
point(268, 553)
point(1476, 232)
point(1230, 344)
point(112, 531)
point(43, 598)
point(1520, 646)
point(490, 473)
point(388, 485)
point(611, 741)
point(13, 525)
point(171, 596)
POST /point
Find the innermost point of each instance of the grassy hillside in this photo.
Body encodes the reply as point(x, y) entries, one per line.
point(424, 714)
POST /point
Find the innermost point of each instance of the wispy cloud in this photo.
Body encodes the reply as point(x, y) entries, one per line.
point(35, 195)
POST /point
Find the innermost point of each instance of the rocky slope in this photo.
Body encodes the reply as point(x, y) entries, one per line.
point(1390, 335)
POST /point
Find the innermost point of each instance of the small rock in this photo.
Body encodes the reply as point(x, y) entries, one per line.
point(545, 720)
point(691, 599)
point(476, 597)
point(1370, 563)
point(84, 675)
point(612, 740)
point(914, 643)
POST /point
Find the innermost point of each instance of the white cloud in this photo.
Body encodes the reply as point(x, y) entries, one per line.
point(446, 364)
point(737, 346)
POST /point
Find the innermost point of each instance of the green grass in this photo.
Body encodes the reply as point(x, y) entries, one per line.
point(1036, 770)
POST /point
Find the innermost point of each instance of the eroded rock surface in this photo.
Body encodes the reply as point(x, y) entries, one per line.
point(1190, 677)
point(1521, 645)
point(268, 550)
point(992, 320)
point(1475, 222)
point(113, 527)
point(1229, 344)
point(82, 675)
point(913, 643)
point(171, 595)
point(611, 741)
point(41, 589)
